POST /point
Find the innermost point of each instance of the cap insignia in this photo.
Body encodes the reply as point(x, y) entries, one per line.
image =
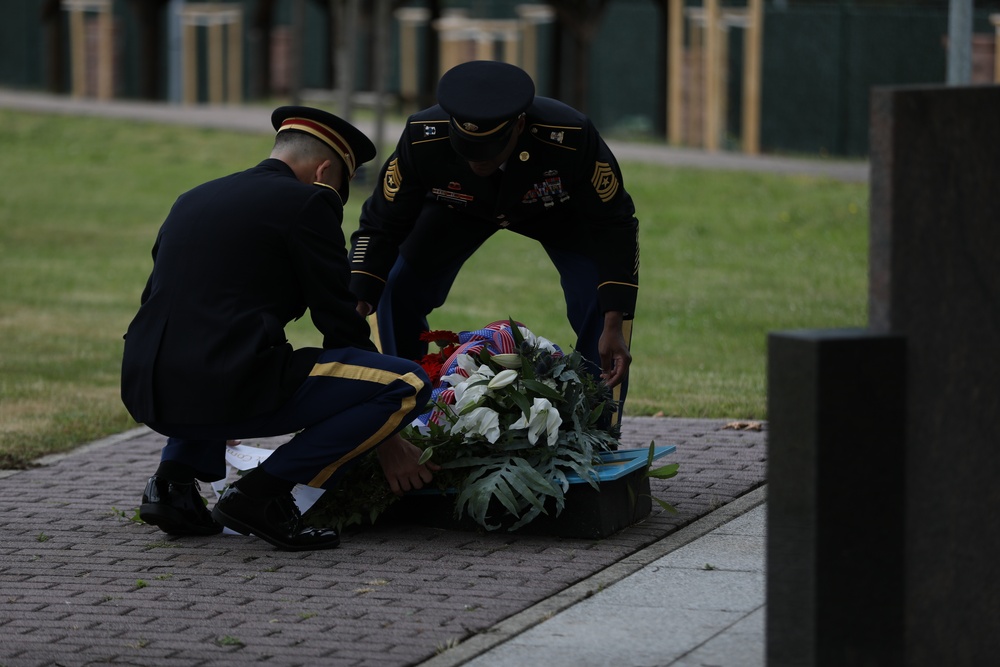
point(471, 127)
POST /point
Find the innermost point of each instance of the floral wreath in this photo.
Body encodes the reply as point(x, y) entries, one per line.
point(511, 415)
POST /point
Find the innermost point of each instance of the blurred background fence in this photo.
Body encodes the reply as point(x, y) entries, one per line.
point(794, 77)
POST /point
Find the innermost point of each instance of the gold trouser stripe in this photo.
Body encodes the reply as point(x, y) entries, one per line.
point(616, 393)
point(376, 338)
point(351, 372)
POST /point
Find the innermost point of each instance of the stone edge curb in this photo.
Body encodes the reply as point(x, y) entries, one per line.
point(541, 611)
point(51, 459)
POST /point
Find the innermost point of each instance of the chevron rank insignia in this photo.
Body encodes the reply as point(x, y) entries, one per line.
point(605, 181)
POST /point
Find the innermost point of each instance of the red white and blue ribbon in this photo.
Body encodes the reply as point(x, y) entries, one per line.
point(495, 338)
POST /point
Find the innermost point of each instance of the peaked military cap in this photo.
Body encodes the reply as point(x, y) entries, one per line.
point(484, 99)
point(347, 141)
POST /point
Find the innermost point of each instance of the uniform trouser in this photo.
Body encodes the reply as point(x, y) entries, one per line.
point(351, 402)
point(414, 288)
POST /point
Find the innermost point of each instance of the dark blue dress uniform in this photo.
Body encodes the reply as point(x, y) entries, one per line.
point(206, 358)
point(429, 212)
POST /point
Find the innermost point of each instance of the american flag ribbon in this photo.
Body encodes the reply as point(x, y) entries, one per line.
point(495, 338)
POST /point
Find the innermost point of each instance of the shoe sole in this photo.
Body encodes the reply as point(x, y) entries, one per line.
point(245, 529)
point(171, 522)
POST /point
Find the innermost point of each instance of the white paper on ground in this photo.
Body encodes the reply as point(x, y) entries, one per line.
point(244, 457)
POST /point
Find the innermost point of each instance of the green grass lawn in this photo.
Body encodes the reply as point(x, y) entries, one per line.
point(726, 258)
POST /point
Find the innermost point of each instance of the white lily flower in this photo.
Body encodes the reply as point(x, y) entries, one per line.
point(467, 363)
point(543, 418)
point(527, 335)
point(454, 379)
point(508, 360)
point(546, 344)
point(480, 421)
point(502, 379)
point(537, 341)
point(470, 370)
point(469, 393)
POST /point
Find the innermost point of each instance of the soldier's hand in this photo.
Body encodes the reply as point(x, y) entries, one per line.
point(398, 458)
point(615, 355)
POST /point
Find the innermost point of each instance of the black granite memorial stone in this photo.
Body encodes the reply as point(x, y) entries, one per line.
point(884, 449)
point(836, 410)
point(935, 279)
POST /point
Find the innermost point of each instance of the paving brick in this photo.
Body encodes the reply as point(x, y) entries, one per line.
point(391, 595)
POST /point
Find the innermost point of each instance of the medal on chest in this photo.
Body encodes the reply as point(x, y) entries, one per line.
point(549, 190)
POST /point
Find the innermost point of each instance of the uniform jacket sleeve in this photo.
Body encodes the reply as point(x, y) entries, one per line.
point(388, 216)
point(318, 247)
point(607, 212)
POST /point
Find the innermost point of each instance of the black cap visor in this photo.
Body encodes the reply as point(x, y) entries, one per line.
point(476, 149)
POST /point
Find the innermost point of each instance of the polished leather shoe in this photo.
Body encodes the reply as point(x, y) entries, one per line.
point(176, 508)
point(273, 518)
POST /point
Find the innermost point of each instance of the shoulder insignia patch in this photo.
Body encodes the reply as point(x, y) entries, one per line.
point(393, 179)
point(605, 182)
point(422, 132)
point(563, 136)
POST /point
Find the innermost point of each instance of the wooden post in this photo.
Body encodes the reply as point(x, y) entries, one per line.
point(529, 49)
point(484, 40)
point(410, 18)
point(224, 23)
point(511, 43)
point(78, 46)
point(234, 38)
point(189, 58)
point(709, 37)
point(451, 34)
point(753, 41)
point(215, 62)
point(721, 76)
point(531, 17)
point(712, 62)
point(675, 68)
point(105, 52)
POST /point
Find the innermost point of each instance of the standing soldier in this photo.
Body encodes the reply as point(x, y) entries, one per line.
point(490, 156)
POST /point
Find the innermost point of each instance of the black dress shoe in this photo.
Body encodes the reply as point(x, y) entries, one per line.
point(176, 508)
point(273, 518)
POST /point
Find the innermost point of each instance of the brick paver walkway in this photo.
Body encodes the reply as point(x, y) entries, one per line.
point(82, 585)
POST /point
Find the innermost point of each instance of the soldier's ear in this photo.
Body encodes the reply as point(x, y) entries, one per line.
point(322, 172)
point(332, 173)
